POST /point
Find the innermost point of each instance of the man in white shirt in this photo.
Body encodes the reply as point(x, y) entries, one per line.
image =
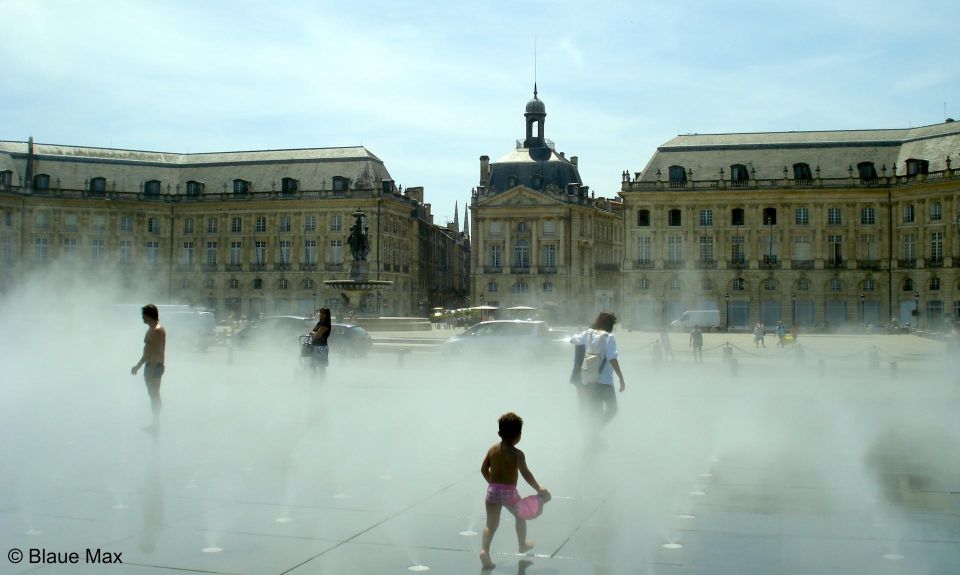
point(597, 395)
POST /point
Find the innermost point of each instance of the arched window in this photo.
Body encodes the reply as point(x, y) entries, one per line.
point(803, 284)
point(770, 284)
point(737, 217)
point(934, 284)
point(98, 185)
point(537, 181)
point(836, 285)
point(769, 216)
point(643, 218)
point(739, 176)
point(643, 284)
point(678, 176)
point(258, 283)
point(706, 285)
point(738, 285)
point(492, 287)
point(907, 284)
point(283, 283)
point(520, 287)
point(802, 173)
point(547, 287)
point(151, 188)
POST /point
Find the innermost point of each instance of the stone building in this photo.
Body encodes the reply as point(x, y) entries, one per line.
point(821, 228)
point(245, 233)
point(539, 237)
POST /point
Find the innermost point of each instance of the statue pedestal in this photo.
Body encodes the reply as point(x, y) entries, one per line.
point(359, 271)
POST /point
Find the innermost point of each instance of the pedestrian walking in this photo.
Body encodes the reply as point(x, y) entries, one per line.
point(696, 342)
point(595, 362)
point(758, 335)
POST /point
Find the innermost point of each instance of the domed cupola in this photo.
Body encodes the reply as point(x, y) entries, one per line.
point(536, 114)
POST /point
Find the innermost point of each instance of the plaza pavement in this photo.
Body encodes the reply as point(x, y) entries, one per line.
point(788, 466)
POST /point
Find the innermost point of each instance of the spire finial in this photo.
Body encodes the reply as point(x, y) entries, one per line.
point(534, 90)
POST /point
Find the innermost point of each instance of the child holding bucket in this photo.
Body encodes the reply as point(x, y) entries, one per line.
point(501, 466)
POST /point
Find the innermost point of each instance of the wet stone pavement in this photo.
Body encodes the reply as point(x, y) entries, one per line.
point(788, 466)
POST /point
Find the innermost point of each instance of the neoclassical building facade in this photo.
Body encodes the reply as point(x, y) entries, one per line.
point(539, 238)
point(820, 228)
point(243, 233)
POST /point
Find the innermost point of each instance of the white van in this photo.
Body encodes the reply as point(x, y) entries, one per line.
point(707, 319)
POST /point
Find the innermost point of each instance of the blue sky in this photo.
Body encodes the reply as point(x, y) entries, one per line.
point(429, 87)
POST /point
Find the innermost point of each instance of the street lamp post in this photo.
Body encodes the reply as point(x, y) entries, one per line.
point(916, 309)
point(726, 298)
point(793, 307)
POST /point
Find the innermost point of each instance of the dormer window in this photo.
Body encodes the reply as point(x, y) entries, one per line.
point(98, 185)
point(917, 167)
point(6, 178)
point(802, 173)
point(511, 181)
point(194, 188)
point(151, 188)
point(288, 186)
point(340, 184)
point(537, 181)
point(41, 183)
point(241, 186)
point(868, 172)
point(739, 176)
point(678, 176)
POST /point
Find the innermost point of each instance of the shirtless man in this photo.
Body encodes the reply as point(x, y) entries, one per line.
point(503, 463)
point(154, 343)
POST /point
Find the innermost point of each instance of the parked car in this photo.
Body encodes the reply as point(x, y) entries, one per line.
point(283, 332)
point(523, 339)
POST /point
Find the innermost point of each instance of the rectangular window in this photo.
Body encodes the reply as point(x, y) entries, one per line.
point(126, 252)
point(868, 216)
point(284, 251)
point(908, 215)
point(495, 255)
point(336, 255)
point(835, 248)
point(188, 225)
point(236, 224)
point(909, 247)
point(674, 218)
point(643, 219)
point(8, 218)
point(8, 251)
point(99, 223)
point(236, 253)
point(936, 212)
point(549, 228)
point(70, 222)
point(336, 224)
point(41, 250)
point(801, 248)
point(834, 216)
point(126, 223)
point(550, 256)
point(260, 252)
point(802, 216)
point(41, 221)
point(211, 225)
point(738, 252)
point(495, 229)
point(644, 250)
point(936, 247)
point(675, 249)
point(153, 253)
point(310, 251)
point(706, 217)
point(186, 256)
point(869, 248)
point(96, 250)
point(261, 225)
point(310, 223)
point(153, 225)
point(70, 249)
point(284, 225)
point(706, 249)
point(211, 253)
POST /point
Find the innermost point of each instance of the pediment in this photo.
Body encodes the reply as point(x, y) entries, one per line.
point(519, 196)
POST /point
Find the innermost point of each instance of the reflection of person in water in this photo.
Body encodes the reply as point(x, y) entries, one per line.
point(151, 506)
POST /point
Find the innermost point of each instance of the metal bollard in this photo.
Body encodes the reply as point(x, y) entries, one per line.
point(893, 369)
point(727, 352)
